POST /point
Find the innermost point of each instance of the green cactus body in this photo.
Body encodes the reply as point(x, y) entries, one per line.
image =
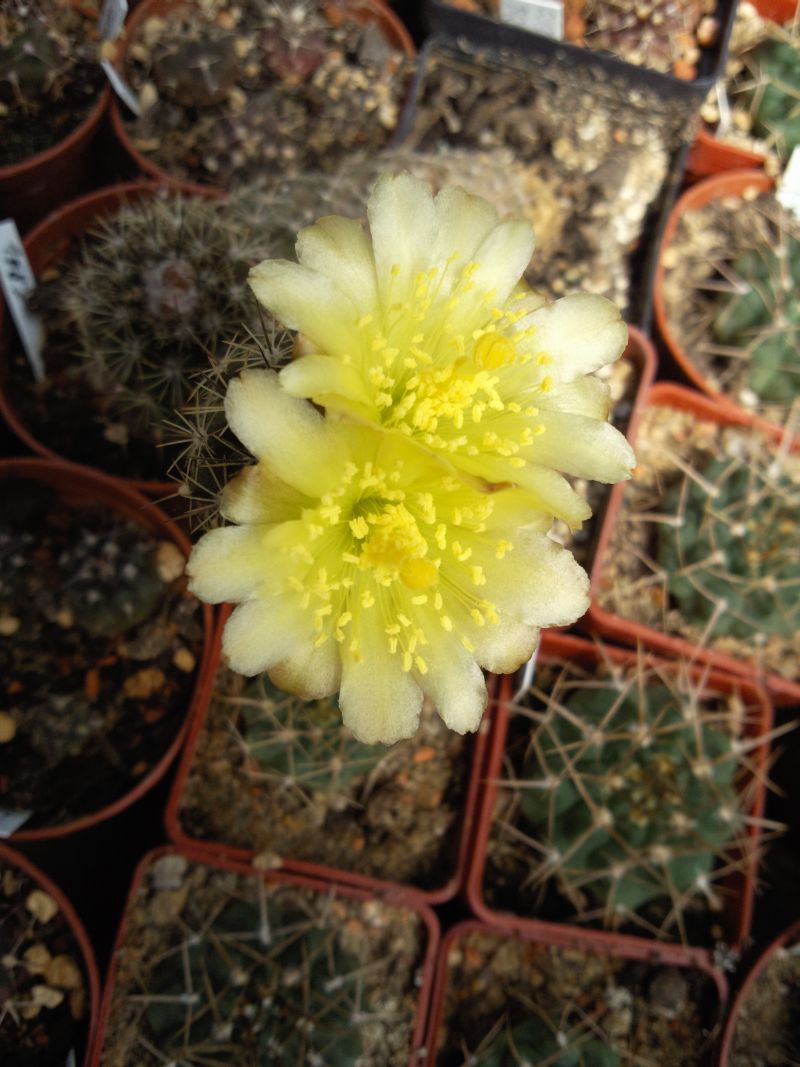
point(732, 558)
point(532, 1042)
point(776, 99)
point(303, 742)
point(203, 997)
point(630, 793)
point(762, 318)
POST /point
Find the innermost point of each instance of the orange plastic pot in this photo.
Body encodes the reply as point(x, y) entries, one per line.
point(362, 11)
point(28, 190)
point(569, 938)
point(331, 889)
point(789, 937)
point(223, 852)
point(781, 690)
point(739, 888)
point(16, 859)
point(46, 245)
point(77, 487)
point(710, 155)
point(717, 187)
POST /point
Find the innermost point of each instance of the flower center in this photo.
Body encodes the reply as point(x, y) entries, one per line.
point(394, 547)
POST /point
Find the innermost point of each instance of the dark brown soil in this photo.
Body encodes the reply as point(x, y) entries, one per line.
point(218, 968)
point(43, 988)
point(99, 650)
point(652, 1016)
point(394, 814)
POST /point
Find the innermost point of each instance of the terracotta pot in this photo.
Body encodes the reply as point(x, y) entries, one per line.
point(46, 245)
point(562, 937)
point(77, 487)
point(738, 888)
point(388, 894)
point(363, 11)
point(16, 859)
point(717, 187)
point(606, 623)
point(789, 937)
point(222, 851)
point(711, 155)
point(28, 190)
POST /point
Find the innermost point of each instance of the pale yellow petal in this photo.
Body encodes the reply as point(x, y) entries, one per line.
point(585, 396)
point(580, 333)
point(256, 496)
point(454, 682)
point(261, 634)
point(538, 582)
point(586, 448)
point(228, 563)
point(311, 673)
point(284, 432)
point(549, 491)
point(380, 702)
point(502, 258)
point(305, 300)
point(504, 646)
point(340, 249)
point(402, 222)
point(463, 222)
point(320, 377)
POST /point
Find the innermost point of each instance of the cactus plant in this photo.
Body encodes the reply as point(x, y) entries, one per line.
point(48, 73)
point(731, 558)
point(625, 799)
point(775, 102)
point(238, 972)
point(536, 1041)
point(761, 318)
point(302, 743)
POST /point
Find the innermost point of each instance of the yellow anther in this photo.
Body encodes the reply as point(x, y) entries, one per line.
point(422, 666)
point(437, 601)
point(418, 573)
point(477, 575)
point(543, 360)
point(359, 528)
point(420, 600)
point(447, 623)
point(468, 645)
point(546, 384)
point(408, 661)
point(403, 620)
point(503, 547)
point(493, 350)
point(477, 617)
point(367, 598)
point(320, 641)
point(344, 618)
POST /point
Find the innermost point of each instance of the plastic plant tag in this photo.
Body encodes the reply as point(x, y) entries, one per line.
point(10, 821)
point(121, 87)
point(545, 17)
point(112, 19)
point(17, 280)
point(788, 194)
point(70, 1060)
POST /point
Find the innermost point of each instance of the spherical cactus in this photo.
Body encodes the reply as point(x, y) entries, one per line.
point(776, 97)
point(535, 1042)
point(629, 790)
point(731, 557)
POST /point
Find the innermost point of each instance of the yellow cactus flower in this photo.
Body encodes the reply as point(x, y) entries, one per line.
point(361, 564)
point(423, 328)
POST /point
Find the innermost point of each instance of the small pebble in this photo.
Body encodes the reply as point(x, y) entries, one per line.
point(170, 561)
point(41, 905)
point(9, 625)
point(8, 728)
point(184, 660)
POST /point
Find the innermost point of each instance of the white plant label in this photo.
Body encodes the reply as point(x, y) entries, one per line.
point(10, 821)
point(788, 194)
point(18, 282)
point(545, 17)
point(121, 87)
point(112, 19)
point(70, 1061)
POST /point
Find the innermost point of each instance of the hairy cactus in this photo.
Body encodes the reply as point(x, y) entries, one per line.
point(41, 43)
point(156, 289)
point(731, 558)
point(538, 1042)
point(302, 743)
point(776, 99)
